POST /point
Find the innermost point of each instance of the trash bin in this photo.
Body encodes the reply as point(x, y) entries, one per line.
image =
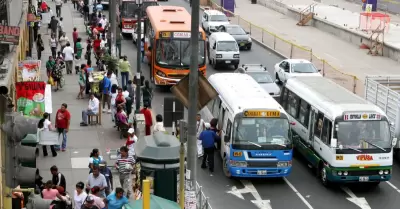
point(158, 156)
point(30, 140)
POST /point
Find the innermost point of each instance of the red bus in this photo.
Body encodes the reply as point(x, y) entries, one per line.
point(129, 12)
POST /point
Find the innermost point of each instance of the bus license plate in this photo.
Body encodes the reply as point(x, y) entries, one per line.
point(262, 172)
point(363, 178)
point(227, 62)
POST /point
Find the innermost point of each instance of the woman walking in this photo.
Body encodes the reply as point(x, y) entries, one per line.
point(53, 45)
point(45, 125)
point(78, 49)
point(147, 93)
point(39, 46)
point(81, 81)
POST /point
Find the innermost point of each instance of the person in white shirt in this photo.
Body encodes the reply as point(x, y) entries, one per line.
point(159, 126)
point(60, 27)
point(58, 7)
point(93, 109)
point(103, 42)
point(102, 21)
point(68, 53)
point(45, 125)
point(125, 93)
point(63, 41)
point(199, 129)
point(79, 195)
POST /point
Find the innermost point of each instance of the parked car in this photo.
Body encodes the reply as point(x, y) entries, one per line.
point(289, 68)
point(260, 74)
point(212, 19)
point(241, 36)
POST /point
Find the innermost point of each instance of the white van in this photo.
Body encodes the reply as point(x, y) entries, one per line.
point(223, 49)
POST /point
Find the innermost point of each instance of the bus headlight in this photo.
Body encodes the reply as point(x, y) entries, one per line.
point(345, 173)
point(283, 164)
point(386, 172)
point(339, 173)
point(161, 74)
point(218, 56)
point(235, 163)
point(380, 172)
point(236, 56)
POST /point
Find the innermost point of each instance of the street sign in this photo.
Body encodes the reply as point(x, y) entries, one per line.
point(206, 91)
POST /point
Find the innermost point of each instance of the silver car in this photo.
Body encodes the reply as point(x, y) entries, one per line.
point(262, 76)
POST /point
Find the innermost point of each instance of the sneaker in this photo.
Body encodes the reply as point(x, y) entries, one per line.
point(109, 111)
point(104, 110)
point(62, 150)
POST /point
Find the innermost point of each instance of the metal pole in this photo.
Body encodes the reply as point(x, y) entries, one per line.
point(173, 118)
point(193, 95)
point(113, 21)
point(139, 57)
point(182, 180)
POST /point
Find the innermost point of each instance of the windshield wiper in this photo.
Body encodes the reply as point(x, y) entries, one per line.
point(354, 149)
point(254, 144)
point(370, 143)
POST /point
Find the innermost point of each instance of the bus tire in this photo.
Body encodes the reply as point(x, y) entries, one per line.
point(225, 167)
point(323, 175)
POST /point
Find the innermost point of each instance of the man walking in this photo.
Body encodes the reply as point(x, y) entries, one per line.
point(208, 138)
point(60, 28)
point(68, 53)
point(107, 92)
point(58, 7)
point(97, 179)
point(63, 119)
point(125, 164)
point(54, 25)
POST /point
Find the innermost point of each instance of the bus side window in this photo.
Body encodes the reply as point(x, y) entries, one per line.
point(228, 129)
point(304, 113)
point(217, 104)
point(293, 105)
point(318, 125)
point(221, 118)
point(326, 131)
point(284, 99)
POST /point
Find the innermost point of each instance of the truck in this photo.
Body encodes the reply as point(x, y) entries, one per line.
point(384, 92)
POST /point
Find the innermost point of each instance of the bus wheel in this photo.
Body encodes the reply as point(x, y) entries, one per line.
point(225, 168)
point(323, 175)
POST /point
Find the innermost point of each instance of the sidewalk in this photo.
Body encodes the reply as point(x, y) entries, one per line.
point(73, 163)
point(339, 53)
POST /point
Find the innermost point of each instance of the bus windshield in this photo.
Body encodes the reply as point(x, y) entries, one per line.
point(129, 9)
point(175, 53)
point(261, 132)
point(363, 135)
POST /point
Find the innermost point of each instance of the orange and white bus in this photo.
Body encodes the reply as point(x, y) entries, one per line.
point(167, 44)
point(129, 12)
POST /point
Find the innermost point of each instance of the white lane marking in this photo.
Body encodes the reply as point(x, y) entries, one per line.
point(238, 192)
point(361, 202)
point(393, 186)
point(259, 202)
point(298, 194)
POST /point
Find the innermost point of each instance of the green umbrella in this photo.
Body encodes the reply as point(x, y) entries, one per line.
point(155, 203)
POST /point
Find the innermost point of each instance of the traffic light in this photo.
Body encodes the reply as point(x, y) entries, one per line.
point(17, 128)
point(37, 202)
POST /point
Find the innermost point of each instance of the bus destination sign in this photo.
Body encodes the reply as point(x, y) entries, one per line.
point(362, 116)
point(168, 34)
point(262, 113)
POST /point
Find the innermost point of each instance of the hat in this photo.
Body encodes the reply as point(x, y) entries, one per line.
point(207, 125)
point(131, 131)
point(89, 199)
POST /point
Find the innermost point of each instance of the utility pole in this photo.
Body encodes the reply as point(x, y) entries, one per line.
point(113, 21)
point(139, 55)
point(193, 95)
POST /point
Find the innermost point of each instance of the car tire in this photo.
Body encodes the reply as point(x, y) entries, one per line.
point(323, 175)
point(214, 64)
point(225, 168)
point(236, 66)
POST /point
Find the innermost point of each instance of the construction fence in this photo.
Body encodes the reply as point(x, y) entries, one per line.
point(289, 49)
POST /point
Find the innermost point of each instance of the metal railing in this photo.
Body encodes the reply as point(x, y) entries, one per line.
point(289, 49)
point(202, 200)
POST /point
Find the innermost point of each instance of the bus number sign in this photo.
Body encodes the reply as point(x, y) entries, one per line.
point(262, 113)
point(362, 116)
point(165, 34)
point(339, 157)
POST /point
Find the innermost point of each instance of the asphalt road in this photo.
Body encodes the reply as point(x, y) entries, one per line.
point(301, 190)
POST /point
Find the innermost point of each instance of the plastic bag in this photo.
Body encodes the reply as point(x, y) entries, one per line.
point(51, 81)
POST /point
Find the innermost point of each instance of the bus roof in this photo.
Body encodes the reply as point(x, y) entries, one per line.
point(328, 96)
point(169, 18)
point(241, 91)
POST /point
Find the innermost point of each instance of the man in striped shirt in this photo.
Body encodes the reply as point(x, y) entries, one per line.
point(125, 165)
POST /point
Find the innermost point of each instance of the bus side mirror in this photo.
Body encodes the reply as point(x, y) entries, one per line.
point(394, 142)
point(226, 139)
point(334, 143)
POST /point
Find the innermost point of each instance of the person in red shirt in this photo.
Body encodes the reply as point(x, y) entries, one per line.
point(44, 6)
point(63, 119)
point(75, 38)
point(96, 46)
point(147, 118)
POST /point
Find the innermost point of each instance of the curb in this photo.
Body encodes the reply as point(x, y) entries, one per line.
point(269, 48)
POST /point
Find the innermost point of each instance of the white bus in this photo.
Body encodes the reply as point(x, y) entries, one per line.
point(344, 138)
point(256, 138)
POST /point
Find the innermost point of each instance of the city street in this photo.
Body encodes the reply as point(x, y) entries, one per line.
point(301, 190)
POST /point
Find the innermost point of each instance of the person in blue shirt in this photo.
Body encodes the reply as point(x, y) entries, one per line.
point(106, 86)
point(109, 177)
point(208, 138)
point(116, 200)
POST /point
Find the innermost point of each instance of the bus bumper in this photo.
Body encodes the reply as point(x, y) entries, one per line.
point(243, 172)
point(359, 179)
point(127, 30)
point(159, 80)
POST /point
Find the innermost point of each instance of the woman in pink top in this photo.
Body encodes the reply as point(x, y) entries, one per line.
point(98, 201)
point(49, 193)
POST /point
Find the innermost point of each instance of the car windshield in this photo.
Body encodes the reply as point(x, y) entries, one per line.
point(129, 9)
point(303, 68)
point(363, 135)
point(261, 77)
point(235, 30)
point(261, 132)
point(218, 18)
point(227, 46)
point(176, 53)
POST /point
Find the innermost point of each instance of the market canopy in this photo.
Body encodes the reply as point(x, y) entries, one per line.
point(155, 203)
